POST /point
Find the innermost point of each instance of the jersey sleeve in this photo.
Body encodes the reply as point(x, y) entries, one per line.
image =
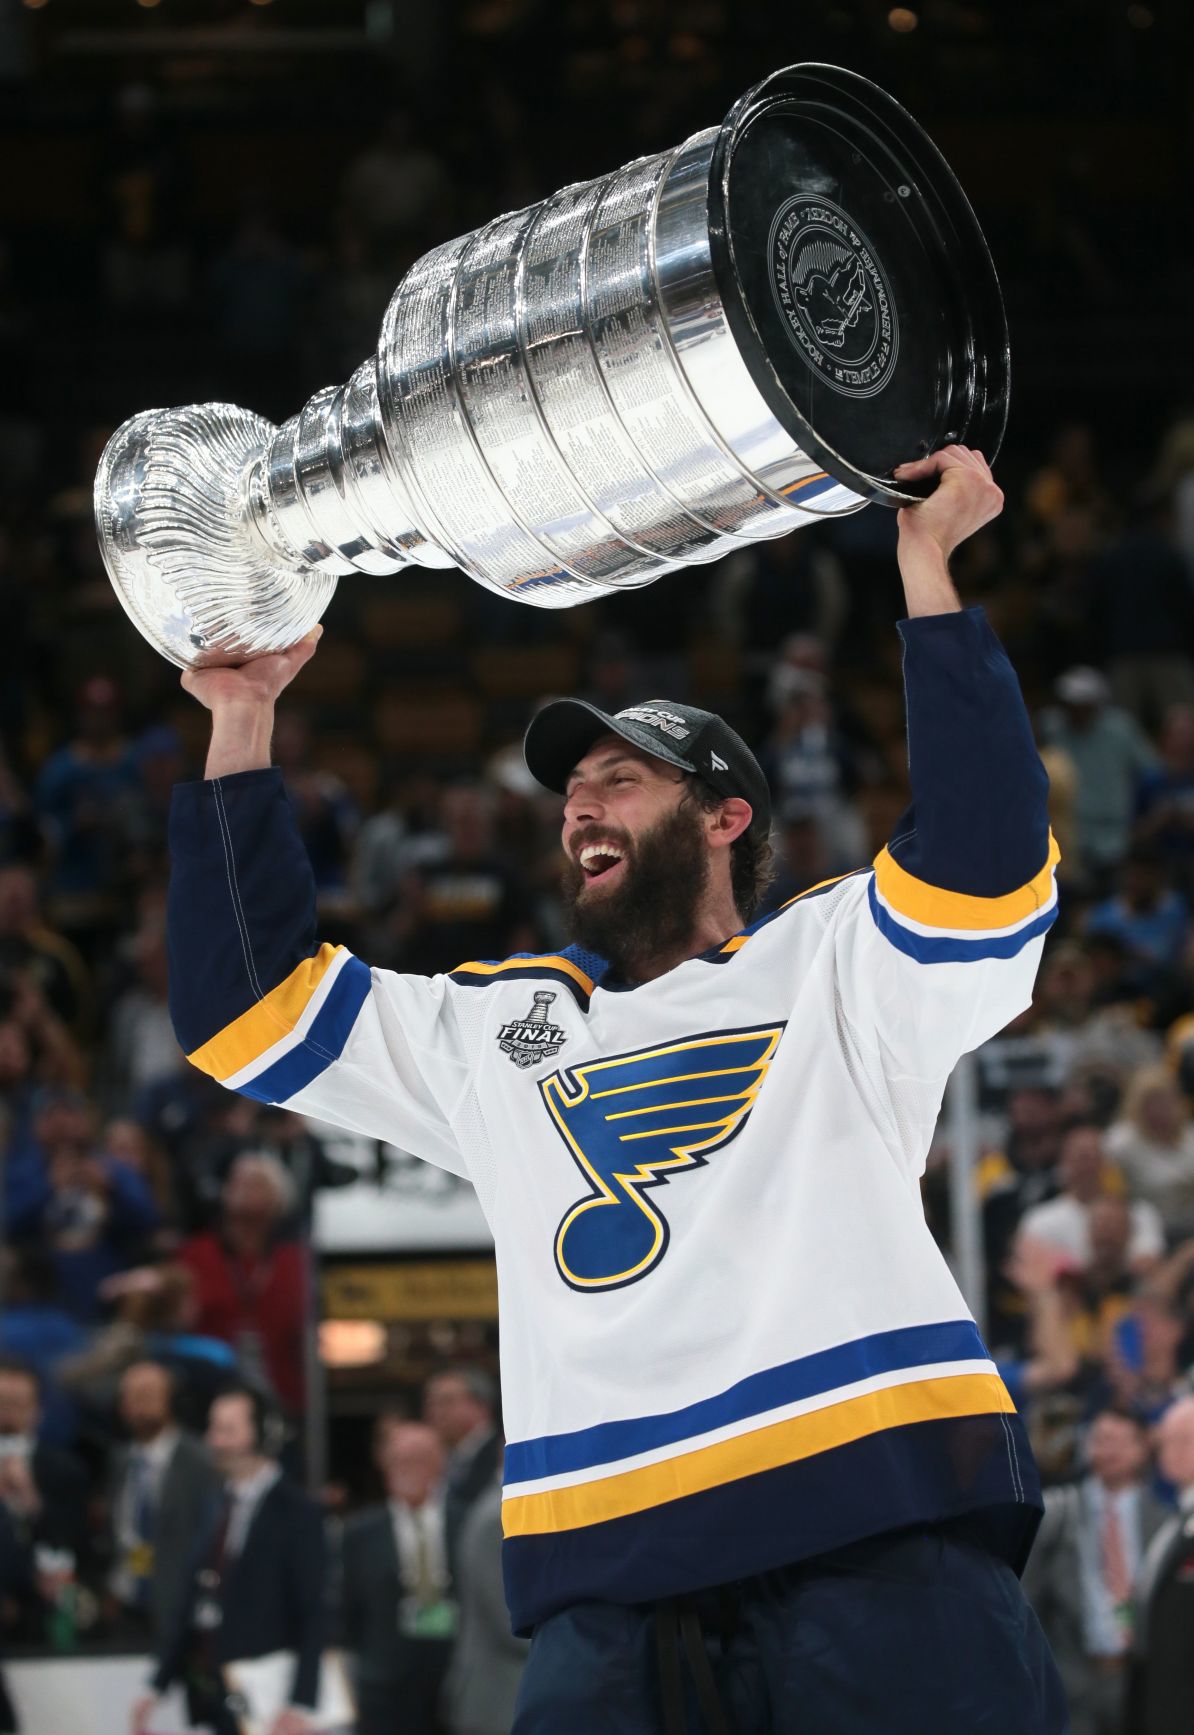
point(261, 1006)
point(936, 949)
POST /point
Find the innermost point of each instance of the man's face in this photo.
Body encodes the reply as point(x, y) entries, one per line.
point(412, 1463)
point(1081, 1168)
point(1117, 1449)
point(638, 859)
point(1175, 1444)
point(451, 1409)
point(1036, 1128)
point(1110, 1232)
point(19, 1407)
point(145, 1401)
point(231, 1437)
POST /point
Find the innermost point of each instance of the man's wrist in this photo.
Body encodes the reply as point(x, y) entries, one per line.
point(241, 734)
point(924, 569)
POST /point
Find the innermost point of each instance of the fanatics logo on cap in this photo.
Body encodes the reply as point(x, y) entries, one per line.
point(716, 763)
point(527, 1041)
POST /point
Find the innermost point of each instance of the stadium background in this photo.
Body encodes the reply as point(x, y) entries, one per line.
point(205, 199)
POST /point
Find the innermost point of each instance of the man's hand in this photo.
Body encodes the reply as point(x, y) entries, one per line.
point(966, 497)
point(241, 702)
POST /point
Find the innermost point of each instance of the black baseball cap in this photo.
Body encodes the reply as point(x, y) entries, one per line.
point(698, 741)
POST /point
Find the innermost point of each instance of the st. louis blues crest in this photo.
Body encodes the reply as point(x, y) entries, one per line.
point(532, 1039)
point(632, 1121)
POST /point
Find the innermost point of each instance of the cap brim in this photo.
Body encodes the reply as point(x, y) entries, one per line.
point(562, 733)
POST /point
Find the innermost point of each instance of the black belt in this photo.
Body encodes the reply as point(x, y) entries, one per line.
point(677, 1622)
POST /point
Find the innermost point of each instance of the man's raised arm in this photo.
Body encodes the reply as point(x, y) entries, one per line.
point(256, 1001)
point(945, 946)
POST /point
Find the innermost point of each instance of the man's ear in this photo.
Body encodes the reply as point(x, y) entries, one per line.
point(725, 824)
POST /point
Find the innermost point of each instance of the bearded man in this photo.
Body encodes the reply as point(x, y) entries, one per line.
point(761, 1472)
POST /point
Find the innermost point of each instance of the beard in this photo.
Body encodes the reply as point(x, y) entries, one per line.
point(652, 912)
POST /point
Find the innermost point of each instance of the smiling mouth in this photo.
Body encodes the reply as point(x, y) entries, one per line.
point(600, 863)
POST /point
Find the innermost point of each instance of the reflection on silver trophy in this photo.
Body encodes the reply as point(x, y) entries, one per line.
point(710, 347)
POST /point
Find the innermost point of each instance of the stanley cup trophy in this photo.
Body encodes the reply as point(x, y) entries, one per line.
point(707, 348)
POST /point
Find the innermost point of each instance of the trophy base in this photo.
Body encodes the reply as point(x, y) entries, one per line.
point(189, 568)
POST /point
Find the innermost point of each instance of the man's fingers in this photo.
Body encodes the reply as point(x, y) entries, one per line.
point(948, 458)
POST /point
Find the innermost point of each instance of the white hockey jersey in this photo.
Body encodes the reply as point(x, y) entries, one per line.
point(728, 1339)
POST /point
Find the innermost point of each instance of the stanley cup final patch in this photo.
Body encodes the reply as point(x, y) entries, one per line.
point(833, 295)
point(529, 1040)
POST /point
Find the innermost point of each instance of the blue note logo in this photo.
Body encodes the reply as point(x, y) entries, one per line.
point(630, 1123)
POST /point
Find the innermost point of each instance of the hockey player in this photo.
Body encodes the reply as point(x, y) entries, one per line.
point(762, 1474)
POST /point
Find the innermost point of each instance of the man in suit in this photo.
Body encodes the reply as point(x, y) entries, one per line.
point(161, 1485)
point(461, 1405)
point(488, 1663)
point(256, 1580)
point(399, 1617)
point(43, 1512)
point(1163, 1676)
point(1080, 1575)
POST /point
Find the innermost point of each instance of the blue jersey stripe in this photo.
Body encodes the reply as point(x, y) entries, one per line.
point(946, 948)
point(324, 1042)
point(807, 1377)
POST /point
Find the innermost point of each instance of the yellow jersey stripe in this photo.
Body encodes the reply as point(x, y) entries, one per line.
point(767, 1448)
point(739, 940)
point(543, 963)
point(257, 1030)
point(936, 908)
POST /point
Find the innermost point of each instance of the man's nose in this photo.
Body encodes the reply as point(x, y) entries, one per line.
point(583, 803)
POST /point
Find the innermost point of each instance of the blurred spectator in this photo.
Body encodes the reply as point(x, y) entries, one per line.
point(1110, 754)
point(29, 948)
point(1166, 796)
point(326, 813)
point(461, 1405)
point(85, 794)
point(1063, 1223)
point(36, 1329)
point(255, 1581)
point(1010, 1182)
point(1099, 1293)
point(142, 1049)
point(94, 1214)
point(1143, 606)
point(1069, 477)
point(160, 1488)
point(1084, 1563)
point(487, 1666)
point(1153, 1144)
point(1147, 916)
point(399, 1616)
point(43, 1520)
point(403, 835)
point(1143, 1369)
point(250, 1278)
point(289, 1138)
point(1163, 1684)
point(469, 903)
point(808, 764)
point(155, 1313)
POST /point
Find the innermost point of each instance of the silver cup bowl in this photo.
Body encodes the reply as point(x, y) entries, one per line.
point(708, 348)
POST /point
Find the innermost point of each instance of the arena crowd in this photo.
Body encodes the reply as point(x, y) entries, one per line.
point(158, 1275)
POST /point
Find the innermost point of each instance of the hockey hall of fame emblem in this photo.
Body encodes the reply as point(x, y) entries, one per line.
point(833, 295)
point(529, 1040)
